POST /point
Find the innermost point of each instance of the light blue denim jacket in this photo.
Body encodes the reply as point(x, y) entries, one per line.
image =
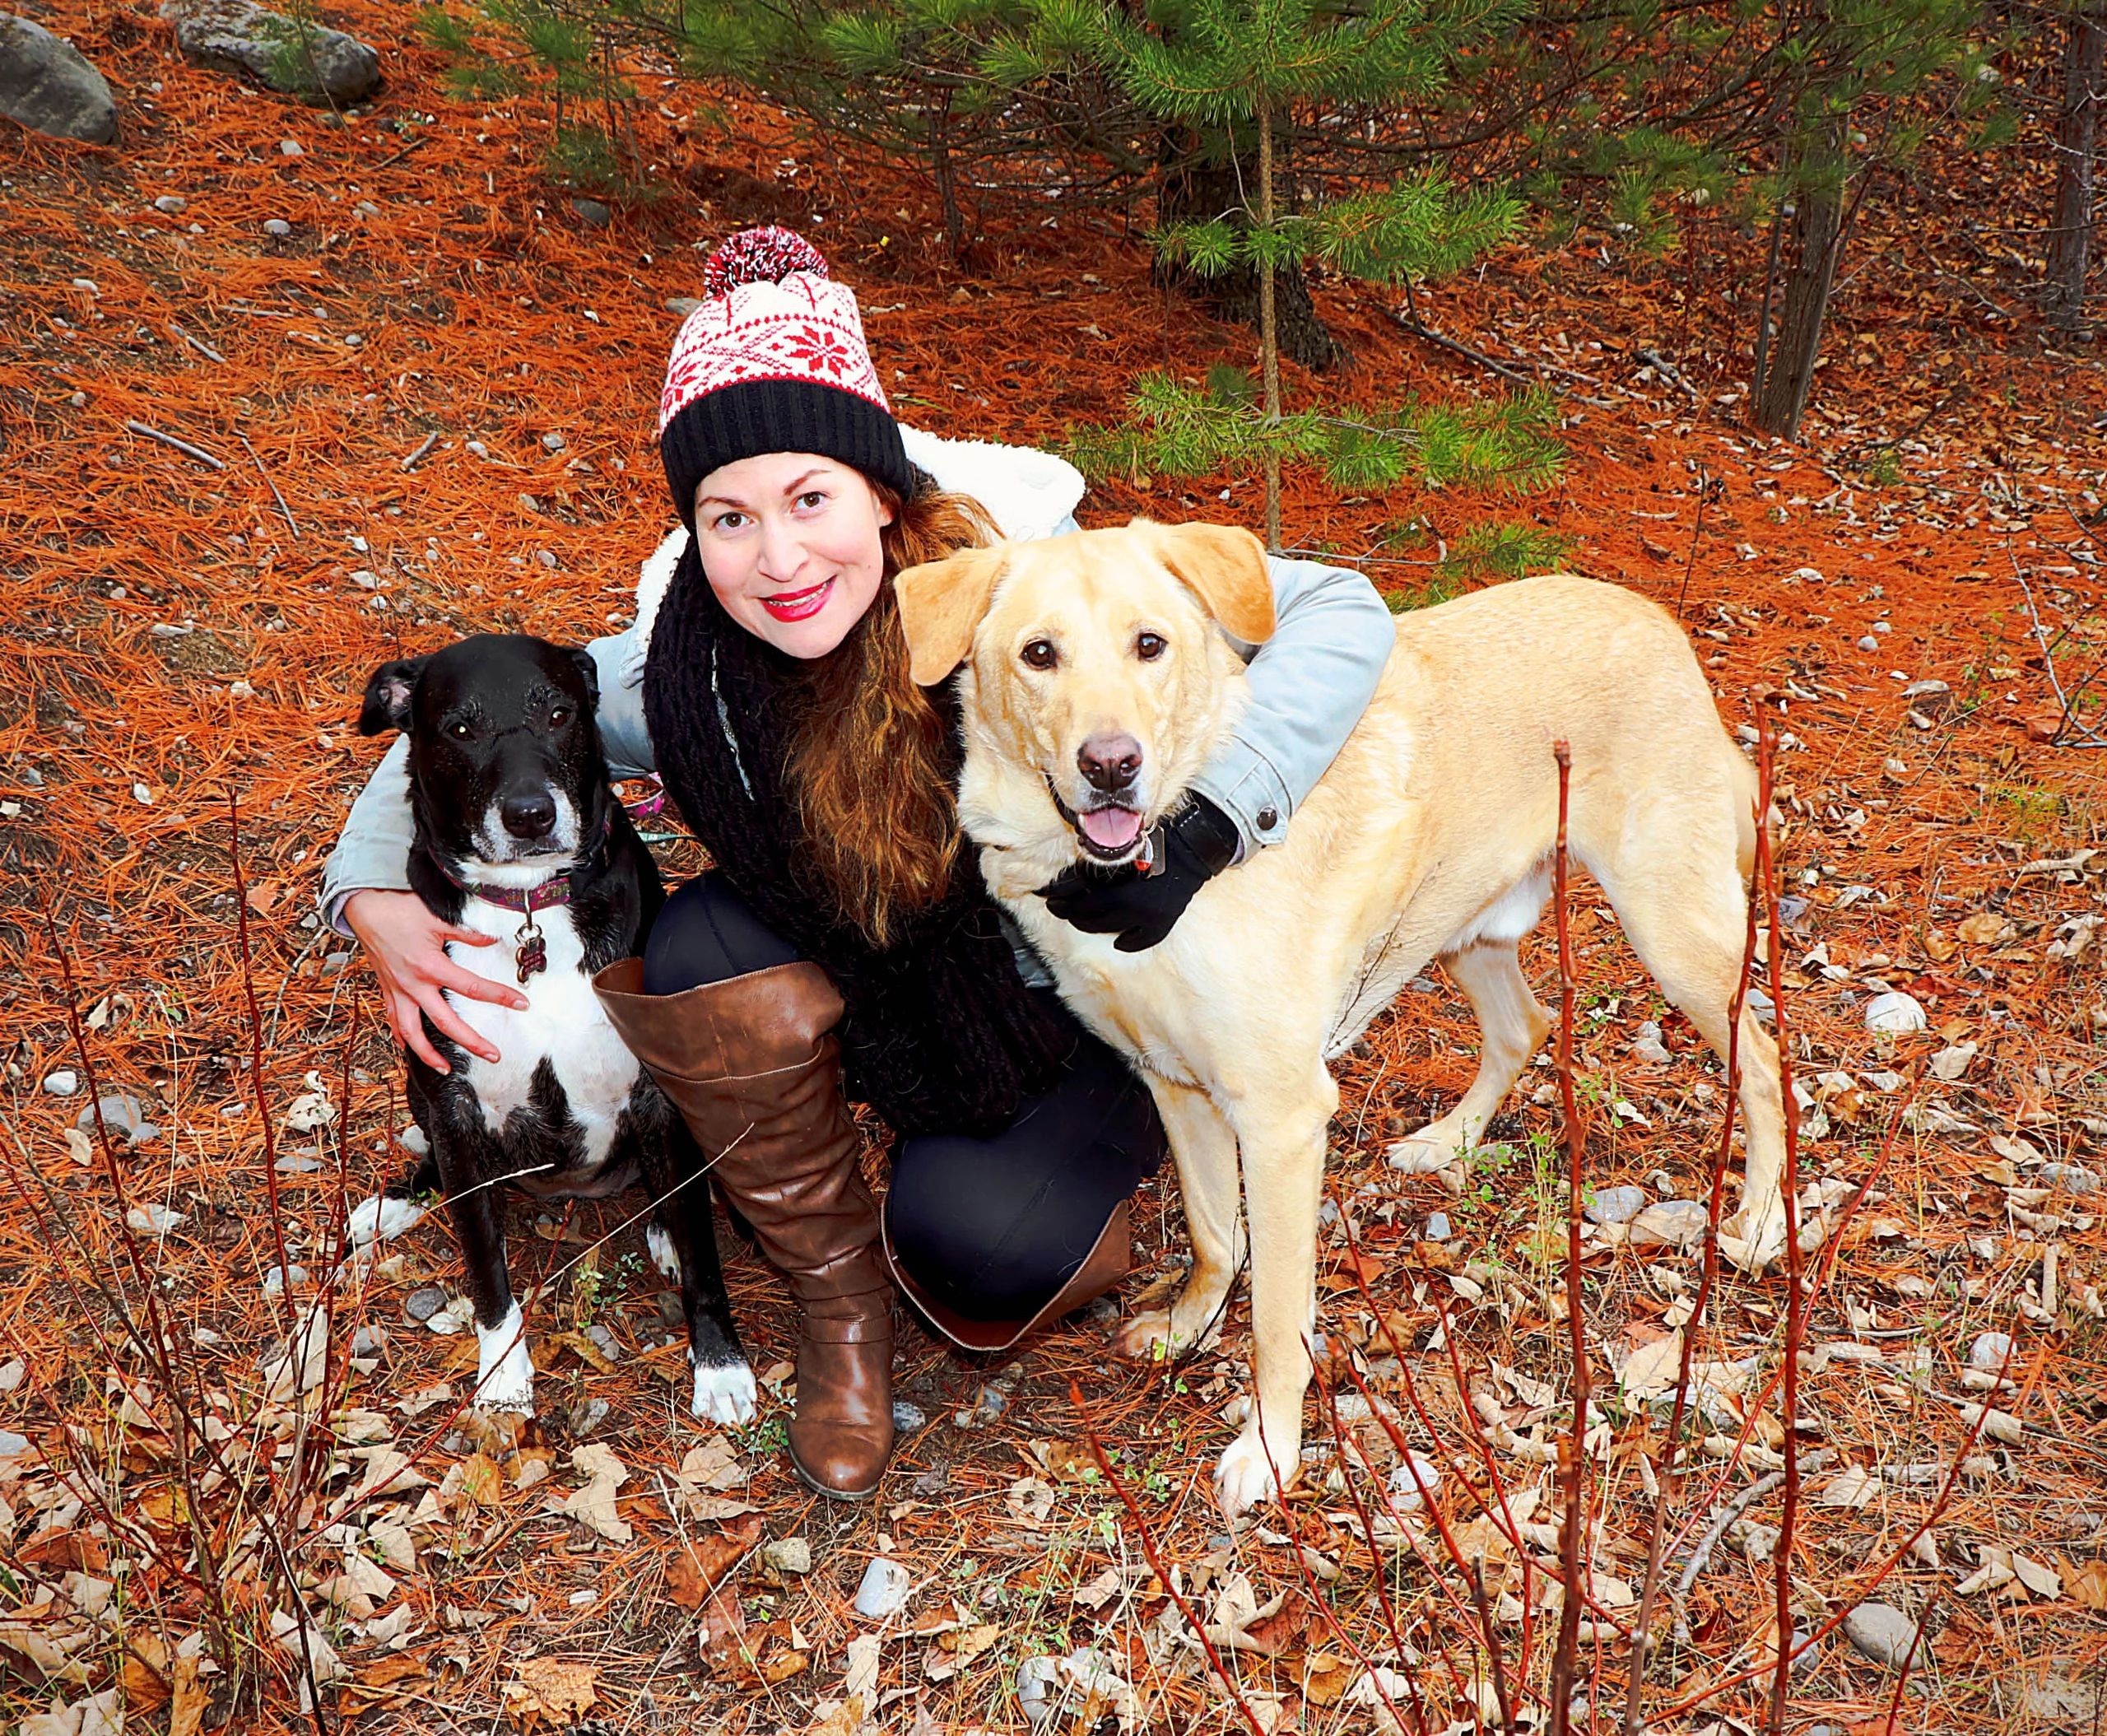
point(1309, 682)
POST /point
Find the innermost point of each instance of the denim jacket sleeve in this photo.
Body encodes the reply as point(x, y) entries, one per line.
point(1310, 684)
point(373, 853)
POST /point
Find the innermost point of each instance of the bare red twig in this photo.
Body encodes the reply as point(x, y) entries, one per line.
point(1796, 1323)
point(1146, 1536)
point(1572, 1446)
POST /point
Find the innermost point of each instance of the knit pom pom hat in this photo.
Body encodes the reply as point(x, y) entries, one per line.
point(774, 361)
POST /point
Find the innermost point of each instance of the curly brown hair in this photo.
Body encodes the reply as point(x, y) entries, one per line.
point(871, 761)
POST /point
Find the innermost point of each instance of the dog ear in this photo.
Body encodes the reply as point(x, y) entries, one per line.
point(941, 604)
point(1225, 567)
point(388, 693)
point(591, 672)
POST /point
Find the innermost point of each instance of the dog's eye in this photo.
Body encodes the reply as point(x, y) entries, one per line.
point(1149, 647)
point(1040, 654)
point(559, 717)
point(459, 732)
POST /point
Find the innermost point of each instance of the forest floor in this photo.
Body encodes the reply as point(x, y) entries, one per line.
point(180, 639)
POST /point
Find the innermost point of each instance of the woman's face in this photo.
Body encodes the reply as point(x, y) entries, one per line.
point(789, 543)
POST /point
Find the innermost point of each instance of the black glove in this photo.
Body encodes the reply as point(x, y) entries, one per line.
point(1141, 908)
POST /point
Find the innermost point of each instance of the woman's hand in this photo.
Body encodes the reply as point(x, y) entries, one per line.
point(408, 946)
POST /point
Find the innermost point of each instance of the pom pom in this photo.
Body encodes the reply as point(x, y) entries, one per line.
point(759, 256)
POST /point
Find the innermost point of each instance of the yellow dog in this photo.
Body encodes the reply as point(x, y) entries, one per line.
point(1430, 837)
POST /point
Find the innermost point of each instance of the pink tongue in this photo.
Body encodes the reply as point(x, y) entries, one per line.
point(1111, 828)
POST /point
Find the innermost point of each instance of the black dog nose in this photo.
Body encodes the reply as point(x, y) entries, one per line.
point(1109, 762)
point(528, 817)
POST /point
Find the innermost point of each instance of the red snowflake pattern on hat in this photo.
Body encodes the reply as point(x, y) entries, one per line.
point(773, 313)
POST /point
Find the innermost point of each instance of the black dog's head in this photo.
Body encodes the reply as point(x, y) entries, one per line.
point(505, 770)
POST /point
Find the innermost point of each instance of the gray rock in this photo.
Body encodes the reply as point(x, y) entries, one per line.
point(319, 65)
point(1615, 1205)
point(62, 1083)
point(884, 1590)
point(1880, 1632)
point(12, 1445)
point(122, 1113)
point(169, 204)
point(276, 227)
point(421, 1305)
point(291, 148)
point(1991, 1352)
point(368, 1341)
point(553, 442)
point(788, 1555)
point(2072, 1177)
point(1038, 1690)
point(1869, 644)
point(47, 84)
point(1437, 1226)
point(906, 1417)
point(592, 212)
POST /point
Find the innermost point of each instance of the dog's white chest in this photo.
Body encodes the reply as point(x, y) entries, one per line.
point(563, 1022)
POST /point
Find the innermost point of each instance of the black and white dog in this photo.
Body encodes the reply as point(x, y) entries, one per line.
point(518, 836)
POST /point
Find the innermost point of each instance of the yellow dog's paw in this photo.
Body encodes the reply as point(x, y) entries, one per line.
point(1244, 1475)
point(1155, 1336)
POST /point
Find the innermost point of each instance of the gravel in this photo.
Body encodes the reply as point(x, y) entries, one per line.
point(276, 227)
point(1615, 1205)
point(883, 1593)
point(421, 1305)
point(1895, 1012)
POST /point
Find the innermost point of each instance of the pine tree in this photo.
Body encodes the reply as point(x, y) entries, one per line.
point(1253, 70)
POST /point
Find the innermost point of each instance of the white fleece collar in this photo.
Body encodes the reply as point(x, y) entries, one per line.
point(1028, 493)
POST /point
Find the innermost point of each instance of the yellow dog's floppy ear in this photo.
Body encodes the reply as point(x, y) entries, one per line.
point(1225, 567)
point(941, 604)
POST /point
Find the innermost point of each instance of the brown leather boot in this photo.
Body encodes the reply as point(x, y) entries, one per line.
point(752, 1065)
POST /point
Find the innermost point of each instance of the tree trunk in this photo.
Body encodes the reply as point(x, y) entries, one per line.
point(2076, 133)
point(1780, 397)
point(945, 172)
point(1269, 333)
point(1195, 192)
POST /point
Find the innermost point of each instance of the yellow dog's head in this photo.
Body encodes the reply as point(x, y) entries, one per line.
point(1096, 678)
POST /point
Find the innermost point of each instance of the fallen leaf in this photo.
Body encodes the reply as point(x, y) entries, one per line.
point(693, 1574)
point(1030, 1500)
point(552, 1688)
point(2043, 1582)
point(482, 1480)
point(385, 1672)
point(1651, 1368)
point(1983, 928)
point(866, 1652)
point(187, 1698)
point(843, 1719)
point(1326, 1678)
point(2088, 1585)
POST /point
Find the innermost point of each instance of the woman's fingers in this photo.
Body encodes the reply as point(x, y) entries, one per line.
point(448, 974)
point(449, 1023)
point(407, 1016)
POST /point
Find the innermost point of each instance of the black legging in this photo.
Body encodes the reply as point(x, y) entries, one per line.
point(991, 1227)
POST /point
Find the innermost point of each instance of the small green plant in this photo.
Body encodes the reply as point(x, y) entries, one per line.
point(2029, 811)
point(1422, 593)
point(560, 56)
point(1511, 549)
point(1883, 469)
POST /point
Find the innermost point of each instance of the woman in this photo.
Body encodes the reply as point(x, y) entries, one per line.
point(843, 943)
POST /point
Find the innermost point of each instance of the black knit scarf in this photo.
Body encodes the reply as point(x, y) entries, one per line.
point(941, 1036)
